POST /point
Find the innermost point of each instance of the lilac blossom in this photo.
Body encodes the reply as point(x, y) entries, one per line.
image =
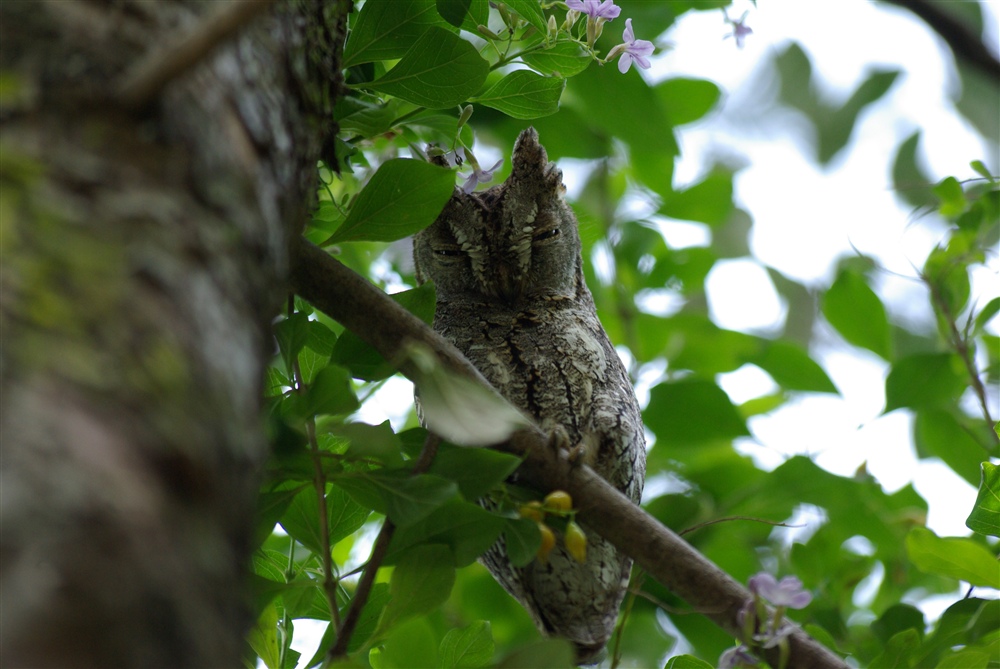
point(632, 50)
point(478, 175)
point(787, 593)
point(594, 9)
point(740, 29)
point(737, 657)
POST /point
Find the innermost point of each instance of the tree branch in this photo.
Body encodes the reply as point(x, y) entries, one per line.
point(369, 313)
point(965, 44)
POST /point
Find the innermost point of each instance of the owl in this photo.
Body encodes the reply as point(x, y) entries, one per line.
point(507, 266)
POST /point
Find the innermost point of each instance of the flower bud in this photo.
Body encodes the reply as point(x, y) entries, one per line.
point(559, 501)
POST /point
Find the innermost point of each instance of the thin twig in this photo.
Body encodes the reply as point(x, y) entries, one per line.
point(379, 550)
point(140, 85)
point(726, 519)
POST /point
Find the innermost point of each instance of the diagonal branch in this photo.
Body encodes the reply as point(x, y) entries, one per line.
point(369, 313)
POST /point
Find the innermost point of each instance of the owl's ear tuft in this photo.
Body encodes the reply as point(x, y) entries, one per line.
point(529, 161)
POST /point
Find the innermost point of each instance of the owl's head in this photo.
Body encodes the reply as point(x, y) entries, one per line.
point(513, 243)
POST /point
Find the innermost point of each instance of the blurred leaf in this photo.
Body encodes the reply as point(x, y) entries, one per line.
point(466, 528)
point(548, 653)
point(946, 272)
point(407, 645)
point(950, 196)
point(522, 540)
point(898, 651)
point(687, 100)
point(330, 393)
point(403, 498)
point(957, 557)
point(708, 201)
point(292, 334)
point(475, 470)
point(856, 312)
point(270, 507)
point(524, 95)
point(980, 168)
point(461, 410)
point(562, 59)
point(938, 433)
point(896, 619)
point(378, 599)
point(909, 180)
point(421, 582)
point(686, 662)
point(440, 70)
point(985, 516)
point(263, 638)
point(372, 441)
point(924, 380)
point(403, 197)
point(962, 623)
point(836, 127)
point(965, 659)
point(467, 647)
point(792, 368)
point(690, 411)
point(387, 29)
point(986, 314)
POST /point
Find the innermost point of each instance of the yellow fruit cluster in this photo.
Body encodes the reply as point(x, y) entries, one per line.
point(557, 502)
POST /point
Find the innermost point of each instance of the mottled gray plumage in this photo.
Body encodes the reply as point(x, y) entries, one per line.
point(511, 296)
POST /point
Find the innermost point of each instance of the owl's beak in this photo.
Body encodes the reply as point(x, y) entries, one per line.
point(508, 284)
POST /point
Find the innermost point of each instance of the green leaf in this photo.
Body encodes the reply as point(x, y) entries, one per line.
point(386, 29)
point(330, 393)
point(467, 647)
point(421, 582)
point(857, 313)
point(898, 651)
point(440, 70)
point(938, 433)
point(291, 334)
point(403, 197)
point(957, 557)
point(687, 100)
point(409, 645)
point(522, 540)
point(530, 11)
point(985, 516)
point(466, 528)
point(548, 653)
point(708, 201)
point(270, 507)
point(475, 470)
point(460, 410)
point(897, 618)
point(924, 380)
point(982, 170)
point(524, 95)
point(909, 180)
point(466, 14)
point(951, 197)
point(686, 662)
point(965, 659)
point(986, 314)
point(372, 441)
point(692, 411)
point(301, 519)
point(403, 498)
point(378, 599)
point(792, 368)
point(562, 59)
point(263, 638)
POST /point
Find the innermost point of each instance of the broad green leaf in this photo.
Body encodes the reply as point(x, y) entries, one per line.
point(947, 273)
point(686, 662)
point(897, 618)
point(909, 180)
point(982, 170)
point(275, 383)
point(403, 197)
point(465, 14)
point(378, 599)
point(835, 128)
point(292, 333)
point(898, 652)
point(405, 499)
point(460, 410)
point(857, 313)
point(987, 313)
point(687, 100)
point(548, 653)
point(792, 368)
point(366, 118)
point(562, 59)
point(263, 638)
point(691, 411)
point(372, 441)
point(964, 622)
point(387, 29)
point(330, 393)
point(421, 582)
point(938, 433)
point(524, 95)
point(270, 507)
point(985, 516)
point(475, 470)
point(522, 540)
point(950, 196)
point(467, 647)
point(301, 519)
point(965, 659)
point(924, 380)
point(530, 11)
point(441, 70)
point(466, 528)
point(708, 201)
point(957, 557)
point(408, 645)
point(362, 360)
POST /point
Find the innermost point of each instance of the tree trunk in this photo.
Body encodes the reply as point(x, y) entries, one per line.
point(144, 252)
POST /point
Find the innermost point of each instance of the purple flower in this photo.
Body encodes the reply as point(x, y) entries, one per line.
point(633, 49)
point(788, 592)
point(595, 9)
point(478, 175)
point(737, 657)
point(740, 29)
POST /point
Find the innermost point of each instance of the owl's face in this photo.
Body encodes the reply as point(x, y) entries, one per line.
point(514, 243)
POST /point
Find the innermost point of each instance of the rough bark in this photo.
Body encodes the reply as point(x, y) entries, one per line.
point(144, 255)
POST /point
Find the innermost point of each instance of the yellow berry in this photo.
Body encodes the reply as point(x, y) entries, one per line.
point(576, 542)
point(532, 510)
point(558, 500)
point(548, 543)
